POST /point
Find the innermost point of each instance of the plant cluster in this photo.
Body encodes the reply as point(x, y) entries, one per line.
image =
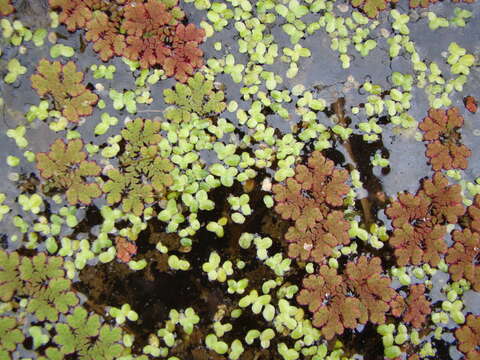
point(468, 337)
point(64, 84)
point(148, 31)
point(196, 98)
point(340, 301)
point(41, 280)
point(311, 199)
point(419, 221)
point(444, 148)
point(65, 167)
point(143, 174)
point(6, 7)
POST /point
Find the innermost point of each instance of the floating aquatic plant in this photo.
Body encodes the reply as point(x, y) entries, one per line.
point(444, 148)
point(143, 175)
point(468, 337)
point(10, 336)
point(309, 199)
point(64, 84)
point(343, 301)
point(418, 307)
point(462, 256)
point(65, 168)
point(371, 7)
point(197, 97)
point(84, 336)
point(125, 249)
point(6, 7)
point(41, 280)
point(418, 220)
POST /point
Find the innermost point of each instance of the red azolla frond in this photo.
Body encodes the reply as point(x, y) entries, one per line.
point(418, 244)
point(463, 257)
point(448, 156)
point(447, 202)
point(325, 295)
point(373, 289)
point(440, 123)
point(328, 182)
point(468, 337)
point(418, 307)
point(371, 7)
point(407, 208)
point(317, 243)
point(6, 7)
point(474, 214)
point(445, 150)
point(289, 199)
point(470, 104)
point(73, 13)
point(144, 19)
point(186, 55)
point(310, 215)
point(125, 249)
point(108, 41)
point(64, 83)
point(397, 305)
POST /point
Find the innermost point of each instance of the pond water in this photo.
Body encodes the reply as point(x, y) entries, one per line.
point(304, 186)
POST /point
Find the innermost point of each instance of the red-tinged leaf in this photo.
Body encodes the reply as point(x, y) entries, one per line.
point(125, 249)
point(325, 295)
point(397, 305)
point(447, 201)
point(108, 42)
point(73, 13)
point(65, 168)
point(418, 307)
point(407, 208)
point(370, 7)
point(445, 150)
point(418, 244)
point(474, 214)
point(468, 337)
point(317, 243)
point(289, 199)
point(186, 55)
point(64, 83)
point(373, 289)
point(144, 19)
point(470, 104)
point(463, 256)
point(6, 7)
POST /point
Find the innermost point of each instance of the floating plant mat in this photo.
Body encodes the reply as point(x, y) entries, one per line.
point(273, 179)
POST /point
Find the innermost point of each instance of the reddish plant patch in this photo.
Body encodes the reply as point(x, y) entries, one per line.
point(6, 7)
point(474, 214)
point(148, 31)
point(468, 337)
point(470, 104)
point(340, 301)
point(463, 257)
point(310, 199)
point(444, 149)
point(418, 221)
point(418, 307)
point(371, 7)
point(125, 249)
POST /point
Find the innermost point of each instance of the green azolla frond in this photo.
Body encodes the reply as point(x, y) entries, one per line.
point(10, 336)
point(52, 299)
point(196, 97)
point(65, 167)
point(64, 84)
point(87, 338)
point(39, 269)
point(9, 276)
point(143, 174)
